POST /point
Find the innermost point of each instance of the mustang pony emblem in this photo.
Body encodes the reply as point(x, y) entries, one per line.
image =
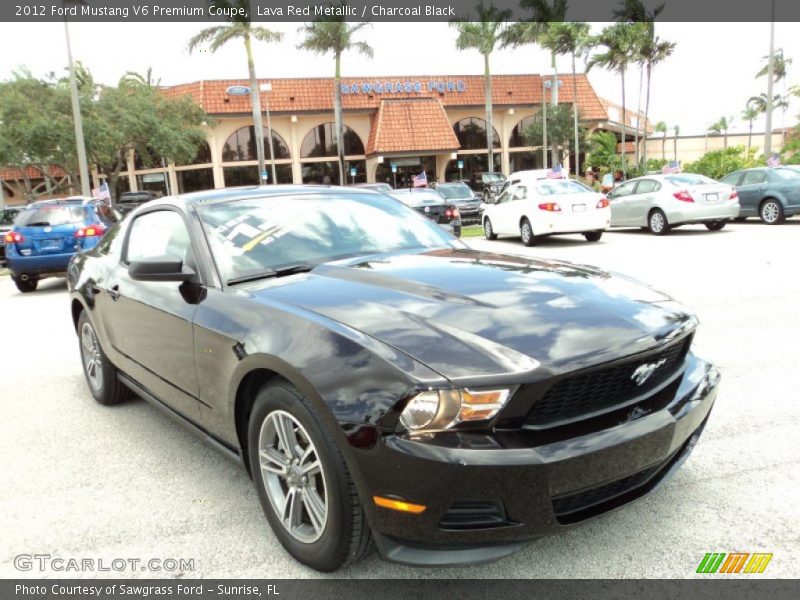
point(643, 372)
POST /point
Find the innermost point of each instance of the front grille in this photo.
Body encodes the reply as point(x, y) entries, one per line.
point(474, 514)
point(604, 388)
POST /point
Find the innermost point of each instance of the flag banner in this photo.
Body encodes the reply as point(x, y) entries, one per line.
point(774, 160)
point(556, 172)
point(420, 180)
point(101, 192)
point(671, 167)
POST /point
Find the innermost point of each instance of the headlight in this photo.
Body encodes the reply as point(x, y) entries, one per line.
point(443, 409)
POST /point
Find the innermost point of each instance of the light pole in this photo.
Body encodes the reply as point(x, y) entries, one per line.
point(267, 87)
point(544, 122)
point(83, 164)
point(770, 74)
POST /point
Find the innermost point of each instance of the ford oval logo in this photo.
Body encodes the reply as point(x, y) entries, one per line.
point(644, 371)
point(237, 90)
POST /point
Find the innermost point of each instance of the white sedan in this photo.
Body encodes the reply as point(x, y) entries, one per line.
point(533, 208)
point(660, 202)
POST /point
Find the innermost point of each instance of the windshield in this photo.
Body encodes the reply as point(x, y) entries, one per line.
point(417, 198)
point(49, 216)
point(689, 179)
point(455, 191)
point(266, 234)
point(787, 173)
point(493, 177)
point(554, 187)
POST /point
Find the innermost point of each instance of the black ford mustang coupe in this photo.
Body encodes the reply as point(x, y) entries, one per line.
point(383, 384)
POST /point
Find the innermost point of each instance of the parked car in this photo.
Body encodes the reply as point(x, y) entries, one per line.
point(7, 216)
point(383, 384)
point(463, 198)
point(127, 201)
point(378, 187)
point(772, 194)
point(431, 204)
point(486, 185)
point(661, 202)
point(534, 208)
point(47, 234)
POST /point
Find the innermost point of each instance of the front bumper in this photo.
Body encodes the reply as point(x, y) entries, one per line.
point(540, 490)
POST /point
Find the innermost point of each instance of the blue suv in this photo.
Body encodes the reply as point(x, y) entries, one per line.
point(47, 234)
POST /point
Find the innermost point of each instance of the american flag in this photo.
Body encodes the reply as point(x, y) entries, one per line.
point(556, 172)
point(671, 167)
point(774, 160)
point(101, 192)
point(420, 180)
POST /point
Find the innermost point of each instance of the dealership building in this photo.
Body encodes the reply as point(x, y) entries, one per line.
point(395, 128)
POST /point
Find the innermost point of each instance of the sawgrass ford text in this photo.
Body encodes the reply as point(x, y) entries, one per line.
point(145, 590)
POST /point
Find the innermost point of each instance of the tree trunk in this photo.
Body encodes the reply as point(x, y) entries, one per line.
point(624, 131)
point(638, 120)
point(554, 103)
point(646, 115)
point(255, 96)
point(337, 110)
point(487, 92)
point(675, 147)
point(749, 135)
point(575, 119)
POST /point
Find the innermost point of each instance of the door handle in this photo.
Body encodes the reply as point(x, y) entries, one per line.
point(113, 292)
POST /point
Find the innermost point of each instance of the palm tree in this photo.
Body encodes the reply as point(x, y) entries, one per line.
point(335, 35)
point(240, 28)
point(750, 114)
point(661, 127)
point(778, 68)
point(759, 102)
point(721, 127)
point(677, 130)
point(619, 42)
point(484, 35)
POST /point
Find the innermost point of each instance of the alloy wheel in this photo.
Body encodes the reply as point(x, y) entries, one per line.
point(770, 212)
point(657, 222)
point(526, 233)
point(293, 476)
point(92, 359)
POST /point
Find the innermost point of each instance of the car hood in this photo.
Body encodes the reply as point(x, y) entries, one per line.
point(472, 315)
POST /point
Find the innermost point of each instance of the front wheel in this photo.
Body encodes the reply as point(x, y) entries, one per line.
point(593, 236)
point(715, 225)
point(771, 212)
point(303, 482)
point(657, 222)
point(26, 286)
point(101, 375)
point(526, 233)
point(488, 231)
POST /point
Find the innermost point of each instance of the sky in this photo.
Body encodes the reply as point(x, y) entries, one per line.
point(711, 73)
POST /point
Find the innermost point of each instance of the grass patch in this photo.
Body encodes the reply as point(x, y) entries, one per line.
point(472, 231)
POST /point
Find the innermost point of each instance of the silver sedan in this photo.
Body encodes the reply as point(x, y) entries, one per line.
point(660, 202)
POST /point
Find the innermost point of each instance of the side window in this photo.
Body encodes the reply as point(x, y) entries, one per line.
point(626, 189)
point(754, 177)
point(732, 179)
point(648, 186)
point(157, 234)
point(504, 196)
point(519, 193)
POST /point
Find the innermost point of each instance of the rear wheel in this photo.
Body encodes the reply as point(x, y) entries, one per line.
point(771, 212)
point(657, 222)
point(303, 482)
point(715, 225)
point(26, 286)
point(488, 231)
point(526, 233)
point(593, 236)
point(101, 375)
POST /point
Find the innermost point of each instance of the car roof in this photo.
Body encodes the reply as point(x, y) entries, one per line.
point(257, 191)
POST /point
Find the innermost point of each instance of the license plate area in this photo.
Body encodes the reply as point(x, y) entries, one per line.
point(712, 197)
point(50, 245)
point(578, 208)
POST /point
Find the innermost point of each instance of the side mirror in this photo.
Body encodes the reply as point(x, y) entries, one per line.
point(160, 268)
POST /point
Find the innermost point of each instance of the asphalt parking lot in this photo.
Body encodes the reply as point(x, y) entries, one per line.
point(82, 480)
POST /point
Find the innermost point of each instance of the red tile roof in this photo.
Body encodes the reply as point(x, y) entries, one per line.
point(411, 125)
point(316, 95)
point(15, 173)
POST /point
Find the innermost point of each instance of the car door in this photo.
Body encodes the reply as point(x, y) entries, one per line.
point(149, 323)
point(641, 200)
point(618, 202)
point(497, 212)
point(751, 191)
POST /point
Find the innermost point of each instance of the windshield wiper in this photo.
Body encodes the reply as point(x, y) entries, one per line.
point(282, 272)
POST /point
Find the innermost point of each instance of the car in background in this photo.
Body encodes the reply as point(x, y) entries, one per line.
point(462, 197)
point(46, 234)
point(7, 216)
point(661, 202)
point(486, 185)
point(772, 194)
point(432, 205)
point(534, 208)
point(378, 187)
point(127, 201)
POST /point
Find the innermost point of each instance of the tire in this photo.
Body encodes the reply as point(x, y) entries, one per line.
point(657, 222)
point(526, 233)
point(715, 225)
point(101, 375)
point(771, 212)
point(339, 534)
point(488, 231)
point(26, 286)
point(593, 236)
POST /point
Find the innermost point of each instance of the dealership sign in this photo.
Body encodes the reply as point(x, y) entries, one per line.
point(237, 90)
point(402, 87)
